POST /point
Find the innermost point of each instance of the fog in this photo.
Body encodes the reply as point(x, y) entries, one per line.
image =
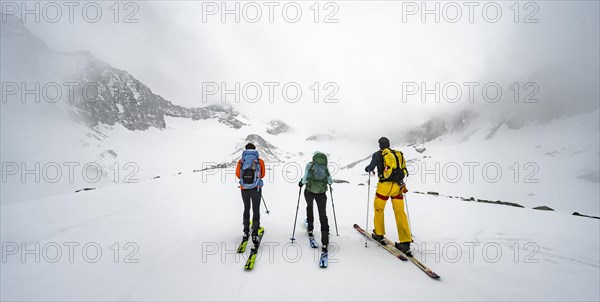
point(370, 57)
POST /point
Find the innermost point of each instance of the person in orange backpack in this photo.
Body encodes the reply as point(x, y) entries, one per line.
point(251, 171)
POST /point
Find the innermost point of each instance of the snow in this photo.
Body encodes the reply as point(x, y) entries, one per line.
point(177, 234)
point(177, 222)
point(538, 165)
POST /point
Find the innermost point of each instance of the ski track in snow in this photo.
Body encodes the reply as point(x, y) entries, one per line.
point(176, 220)
point(176, 216)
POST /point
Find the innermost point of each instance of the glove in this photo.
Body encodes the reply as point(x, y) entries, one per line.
point(300, 184)
point(367, 169)
point(404, 189)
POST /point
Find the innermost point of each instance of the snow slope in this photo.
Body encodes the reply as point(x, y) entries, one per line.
point(541, 164)
point(176, 234)
point(183, 235)
point(553, 164)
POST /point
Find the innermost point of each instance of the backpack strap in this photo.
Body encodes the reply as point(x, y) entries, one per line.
point(397, 161)
point(404, 171)
point(403, 164)
point(256, 171)
point(380, 164)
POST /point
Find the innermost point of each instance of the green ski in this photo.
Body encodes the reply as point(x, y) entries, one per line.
point(242, 247)
point(252, 257)
point(244, 243)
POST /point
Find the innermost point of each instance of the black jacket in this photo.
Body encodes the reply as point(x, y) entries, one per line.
point(376, 161)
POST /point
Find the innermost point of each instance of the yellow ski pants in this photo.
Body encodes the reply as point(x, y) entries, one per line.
point(385, 190)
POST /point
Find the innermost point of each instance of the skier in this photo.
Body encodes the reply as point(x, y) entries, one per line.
point(391, 170)
point(251, 170)
point(317, 177)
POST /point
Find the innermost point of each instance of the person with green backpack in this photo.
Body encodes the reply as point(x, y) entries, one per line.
point(317, 178)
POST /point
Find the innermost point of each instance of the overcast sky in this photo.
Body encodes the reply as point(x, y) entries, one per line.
point(367, 54)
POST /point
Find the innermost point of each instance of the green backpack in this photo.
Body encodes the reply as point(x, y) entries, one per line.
point(318, 174)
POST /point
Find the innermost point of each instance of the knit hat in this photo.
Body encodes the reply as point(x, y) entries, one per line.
point(384, 143)
point(250, 146)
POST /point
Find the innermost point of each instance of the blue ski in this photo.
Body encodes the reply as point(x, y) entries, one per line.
point(323, 260)
point(311, 239)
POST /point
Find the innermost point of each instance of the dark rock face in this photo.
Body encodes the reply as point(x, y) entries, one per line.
point(267, 151)
point(259, 142)
point(340, 181)
point(544, 208)
point(588, 216)
point(108, 154)
point(591, 177)
point(498, 202)
point(102, 94)
point(438, 127)
point(115, 97)
point(277, 127)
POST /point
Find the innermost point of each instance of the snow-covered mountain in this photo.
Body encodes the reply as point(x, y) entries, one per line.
point(321, 137)
point(165, 211)
point(438, 127)
point(278, 127)
point(464, 155)
point(444, 143)
point(101, 94)
point(268, 152)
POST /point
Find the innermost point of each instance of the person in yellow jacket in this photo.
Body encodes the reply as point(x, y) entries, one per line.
point(390, 185)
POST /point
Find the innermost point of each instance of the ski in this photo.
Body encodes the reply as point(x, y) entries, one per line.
point(242, 247)
point(311, 239)
point(416, 262)
point(253, 251)
point(323, 260)
point(389, 246)
point(312, 242)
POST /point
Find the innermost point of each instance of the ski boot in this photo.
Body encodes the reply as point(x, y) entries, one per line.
point(378, 238)
point(324, 257)
point(325, 239)
point(255, 237)
point(404, 247)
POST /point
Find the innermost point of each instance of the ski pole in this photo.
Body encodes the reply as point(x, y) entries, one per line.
point(296, 218)
point(333, 205)
point(368, 197)
point(263, 199)
point(408, 214)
